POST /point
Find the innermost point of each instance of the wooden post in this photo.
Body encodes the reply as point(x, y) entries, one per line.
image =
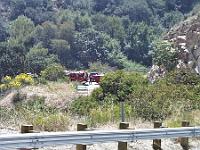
point(157, 142)
point(123, 145)
point(81, 127)
point(26, 129)
point(184, 140)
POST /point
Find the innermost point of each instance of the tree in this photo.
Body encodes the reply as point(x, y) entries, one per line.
point(61, 48)
point(53, 72)
point(21, 29)
point(101, 5)
point(171, 18)
point(45, 33)
point(139, 41)
point(138, 11)
point(17, 8)
point(111, 25)
point(66, 31)
point(91, 46)
point(164, 54)
point(37, 59)
point(3, 32)
point(82, 22)
point(120, 84)
point(11, 58)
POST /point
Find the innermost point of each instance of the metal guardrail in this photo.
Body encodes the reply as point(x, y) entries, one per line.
point(39, 140)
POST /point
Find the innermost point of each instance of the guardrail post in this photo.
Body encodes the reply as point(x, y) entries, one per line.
point(81, 127)
point(26, 129)
point(184, 140)
point(123, 145)
point(157, 142)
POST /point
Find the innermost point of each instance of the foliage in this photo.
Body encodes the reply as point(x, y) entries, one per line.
point(164, 54)
point(38, 58)
point(177, 93)
point(121, 84)
point(99, 67)
point(15, 83)
point(80, 32)
point(53, 72)
point(83, 105)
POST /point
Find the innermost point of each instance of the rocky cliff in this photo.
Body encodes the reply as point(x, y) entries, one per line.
point(186, 39)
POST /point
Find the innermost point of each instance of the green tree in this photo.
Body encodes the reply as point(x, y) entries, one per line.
point(3, 32)
point(111, 25)
point(66, 31)
point(17, 8)
point(38, 59)
point(164, 54)
point(139, 41)
point(138, 11)
point(171, 18)
point(90, 46)
point(82, 22)
point(53, 72)
point(61, 48)
point(21, 29)
point(11, 58)
point(45, 33)
point(101, 5)
point(121, 84)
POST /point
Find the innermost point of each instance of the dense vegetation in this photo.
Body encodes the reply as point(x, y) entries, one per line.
point(36, 34)
point(45, 36)
point(173, 96)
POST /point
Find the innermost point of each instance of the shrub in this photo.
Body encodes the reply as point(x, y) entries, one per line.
point(121, 84)
point(51, 122)
point(108, 113)
point(53, 72)
point(183, 76)
point(24, 79)
point(15, 83)
point(83, 105)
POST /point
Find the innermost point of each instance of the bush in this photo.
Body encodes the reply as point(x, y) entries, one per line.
point(17, 82)
point(24, 79)
point(121, 84)
point(53, 72)
point(83, 105)
point(106, 113)
point(51, 122)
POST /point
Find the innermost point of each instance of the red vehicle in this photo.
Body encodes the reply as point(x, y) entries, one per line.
point(95, 77)
point(92, 76)
point(78, 76)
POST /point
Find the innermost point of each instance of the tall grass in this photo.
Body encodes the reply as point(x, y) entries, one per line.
point(35, 112)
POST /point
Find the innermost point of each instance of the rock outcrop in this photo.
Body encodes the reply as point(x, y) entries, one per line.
point(186, 39)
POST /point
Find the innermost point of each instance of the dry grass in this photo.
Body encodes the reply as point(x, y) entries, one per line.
point(56, 94)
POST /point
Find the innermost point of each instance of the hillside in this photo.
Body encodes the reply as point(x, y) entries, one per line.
point(76, 34)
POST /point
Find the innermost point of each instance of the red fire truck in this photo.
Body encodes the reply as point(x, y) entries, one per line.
point(80, 76)
point(95, 77)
